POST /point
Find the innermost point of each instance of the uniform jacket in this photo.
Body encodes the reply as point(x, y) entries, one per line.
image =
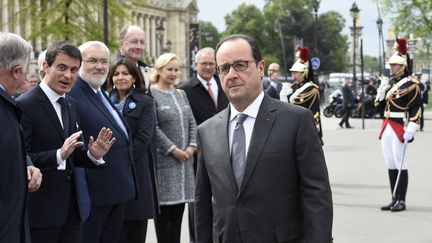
point(114, 183)
point(404, 96)
point(309, 98)
point(44, 135)
point(13, 173)
point(285, 194)
point(200, 101)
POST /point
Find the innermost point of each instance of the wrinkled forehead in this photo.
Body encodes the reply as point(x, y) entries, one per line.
point(97, 52)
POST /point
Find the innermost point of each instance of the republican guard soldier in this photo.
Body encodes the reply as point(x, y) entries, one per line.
point(303, 92)
point(401, 94)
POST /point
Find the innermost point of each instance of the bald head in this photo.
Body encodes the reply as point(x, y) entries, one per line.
point(132, 42)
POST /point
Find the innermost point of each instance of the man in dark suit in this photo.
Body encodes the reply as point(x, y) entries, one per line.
point(272, 86)
point(51, 127)
point(206, 99)
point(275, 186)
point(15, 179)
point(348, 100)
point(114, 184)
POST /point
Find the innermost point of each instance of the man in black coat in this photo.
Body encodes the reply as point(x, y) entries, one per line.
point(206, 99)
point(51, 127)
point(348, 99)
point(15, 178)
point(272, 86)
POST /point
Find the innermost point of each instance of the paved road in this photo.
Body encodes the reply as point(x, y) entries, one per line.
point(360, 186)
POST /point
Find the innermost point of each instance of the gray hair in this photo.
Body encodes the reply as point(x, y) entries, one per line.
point(86, 45)
point(15, 51)
point(202, 51)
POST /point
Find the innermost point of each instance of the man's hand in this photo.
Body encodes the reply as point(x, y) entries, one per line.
point(179, 154)
point(70, 144)
point(103, 143)
point(34, 178)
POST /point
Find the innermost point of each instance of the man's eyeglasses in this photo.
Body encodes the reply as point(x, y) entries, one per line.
point(135, 42)
point(238, 66)
point(94, 61)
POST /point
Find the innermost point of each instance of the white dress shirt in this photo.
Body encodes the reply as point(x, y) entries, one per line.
point(214, 86)
point(53, 97)
point(251, 111)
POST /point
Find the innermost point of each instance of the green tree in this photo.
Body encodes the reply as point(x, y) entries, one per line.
point(209, 34)
point(73, 20)
point(246, 19)
point(370, 64)
point(411, 16)
point(292, 20)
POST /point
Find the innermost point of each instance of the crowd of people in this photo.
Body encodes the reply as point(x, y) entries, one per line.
point(102, 143)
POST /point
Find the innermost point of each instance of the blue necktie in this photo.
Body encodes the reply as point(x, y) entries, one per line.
point(238, 151)
point(112, 112)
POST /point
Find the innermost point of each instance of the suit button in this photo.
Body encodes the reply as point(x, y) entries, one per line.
point(69, 177)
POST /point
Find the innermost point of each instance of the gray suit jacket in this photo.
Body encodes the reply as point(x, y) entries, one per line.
point(285, 195)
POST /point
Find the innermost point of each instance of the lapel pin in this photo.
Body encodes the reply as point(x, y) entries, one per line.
point(132, 105)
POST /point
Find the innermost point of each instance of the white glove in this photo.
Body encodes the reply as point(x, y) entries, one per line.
point(285, 91)
point(408, 136)
point(382, 89)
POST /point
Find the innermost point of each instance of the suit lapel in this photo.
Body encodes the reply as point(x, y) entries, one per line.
point(261, 131)
point(92, 96)
point(49, 110)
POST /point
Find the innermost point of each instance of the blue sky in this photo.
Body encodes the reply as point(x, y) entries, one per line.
point(215, 11)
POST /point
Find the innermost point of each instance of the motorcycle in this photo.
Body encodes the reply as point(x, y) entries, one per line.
point(336, 105)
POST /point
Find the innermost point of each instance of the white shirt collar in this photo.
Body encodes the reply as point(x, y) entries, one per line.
point(204, 82)
point(251, 110)
point(3, 88)
point(52, 95)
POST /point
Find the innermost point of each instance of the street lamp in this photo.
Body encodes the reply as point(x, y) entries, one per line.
point(316, 4)
point(354, 14)
point(160, 30)
point(381, 58)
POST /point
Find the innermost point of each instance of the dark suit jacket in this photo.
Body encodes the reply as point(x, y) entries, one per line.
point(115, 182)
point(139, 113)
point(49, 206)
point(285, 195)
point(200, 101)
point(13, 173)
point(348, 96)
point(270, 90)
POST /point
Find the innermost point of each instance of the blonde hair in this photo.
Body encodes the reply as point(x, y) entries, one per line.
point(161, 62)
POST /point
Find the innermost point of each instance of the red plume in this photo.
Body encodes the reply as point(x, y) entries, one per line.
point(402, 46)
point(304, 54)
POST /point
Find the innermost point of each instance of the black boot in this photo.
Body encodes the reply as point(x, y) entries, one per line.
point(392, 178)
point(401, 192)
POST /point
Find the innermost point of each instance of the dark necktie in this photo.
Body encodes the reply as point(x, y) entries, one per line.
point(238, 151)
point(64, 115)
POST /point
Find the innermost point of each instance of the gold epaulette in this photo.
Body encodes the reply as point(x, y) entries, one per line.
point(314, 85)
point(414, 79)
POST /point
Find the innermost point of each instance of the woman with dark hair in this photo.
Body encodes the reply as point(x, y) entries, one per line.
point(127, 92)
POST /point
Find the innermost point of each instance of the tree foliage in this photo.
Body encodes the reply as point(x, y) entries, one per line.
point(411, 16)
point(209, 34)
point(73, 20)
point(246, 19)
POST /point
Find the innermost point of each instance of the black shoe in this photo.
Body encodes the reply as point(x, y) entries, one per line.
point(399, 206)
point(389, 206)
point(349, 126)
point(340, 125)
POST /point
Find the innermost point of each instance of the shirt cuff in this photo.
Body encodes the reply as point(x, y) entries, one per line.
point(170, 149)
point(61, 164)
point(97, 162)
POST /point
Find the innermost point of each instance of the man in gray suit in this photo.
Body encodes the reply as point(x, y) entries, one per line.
point(261, 173)
point(272, 86)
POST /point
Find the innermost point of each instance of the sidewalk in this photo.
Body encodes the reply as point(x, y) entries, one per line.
point(360, 186)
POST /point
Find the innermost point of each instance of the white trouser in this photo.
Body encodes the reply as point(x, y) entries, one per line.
point(393, 149)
